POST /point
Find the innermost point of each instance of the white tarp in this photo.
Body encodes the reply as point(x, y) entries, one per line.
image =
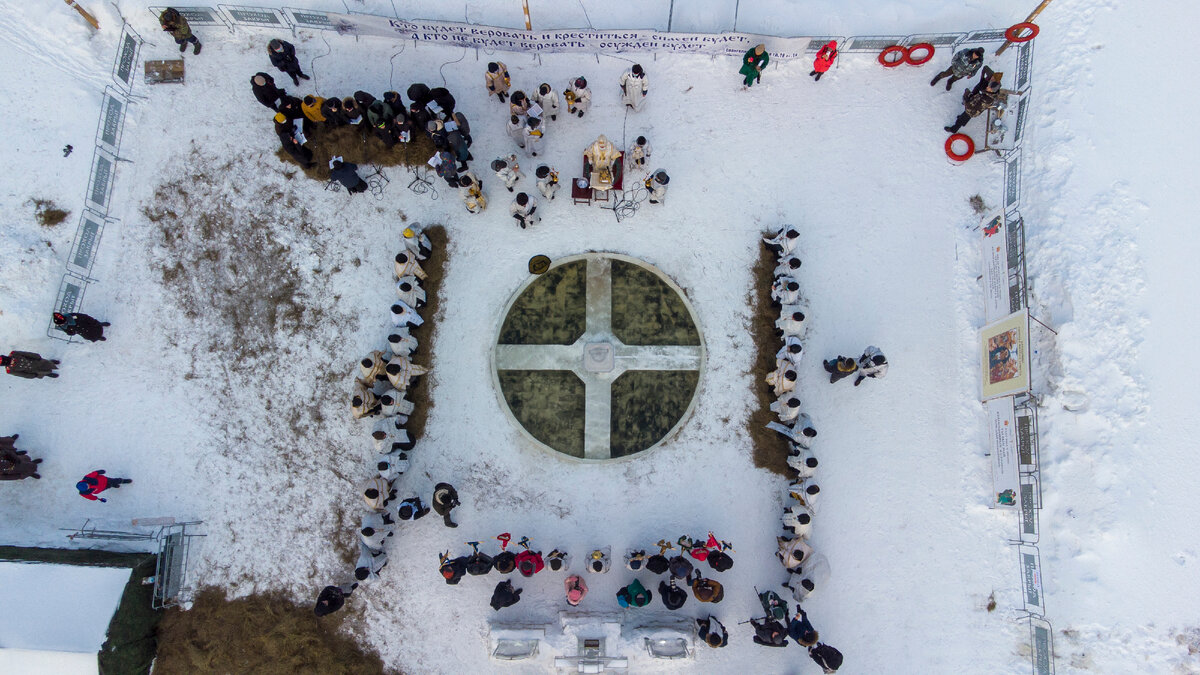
point(1002, 437)
point(560, 41)
point(57, 608)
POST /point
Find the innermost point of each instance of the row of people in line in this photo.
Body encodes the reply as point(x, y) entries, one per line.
point(633, 86)
point(372, 395)
point(391, 441)
point(530, 562)
point(806, 569)
point(633, 595)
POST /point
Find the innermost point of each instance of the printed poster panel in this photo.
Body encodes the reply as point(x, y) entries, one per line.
point(1004, 357)
point(580, 41)
point(995, 267)
point(1002, 432)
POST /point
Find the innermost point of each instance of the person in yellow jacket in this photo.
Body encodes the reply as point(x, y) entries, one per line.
point(842, 366)
point(311, 107)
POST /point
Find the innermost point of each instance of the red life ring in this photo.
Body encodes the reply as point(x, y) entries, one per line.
point(892, 50)
point(950, 147)
point(1013, 34)
point(908, 54)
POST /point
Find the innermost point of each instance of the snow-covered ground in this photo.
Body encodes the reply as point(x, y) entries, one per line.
point(237, 416)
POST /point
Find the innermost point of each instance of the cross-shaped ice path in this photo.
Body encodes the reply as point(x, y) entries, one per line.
point(597, 358)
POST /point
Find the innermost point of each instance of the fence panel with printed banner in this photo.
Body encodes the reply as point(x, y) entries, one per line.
point(308, 18)
point(263, 17)
point(125, 65)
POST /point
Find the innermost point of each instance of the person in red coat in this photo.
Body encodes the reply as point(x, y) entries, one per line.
point(824, 60)
point(529, 563)
point(96, 482)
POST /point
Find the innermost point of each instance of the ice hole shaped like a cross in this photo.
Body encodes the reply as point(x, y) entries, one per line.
point(599, 358)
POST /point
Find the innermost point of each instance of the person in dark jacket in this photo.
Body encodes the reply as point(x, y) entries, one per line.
point(719, 560)
point(393, 131)
point(769, 632)
point(16, 464)
point(801, 630)
point(346, 173)
point(458, 135)
point(443, 100)
point(332, 598)
point(825, 656)
point(505, 595)
point(394, 101)
point(265, 91)
point(96, 482)
point(445, 498)
point(285, 129)
point(965, 64)
point(479, 564)
point(657, 563)
point(419, 93)
point(364, 100)
point(331, 110)
point(505, 562)
point(290, 108)
point(173, 23)
point(673, 597)
point(354, 114)
point(680, 567)
point(419, 116)
point(29, 365)
point(283, 57)
point(712, 632)
point(979, 99)
point(437, 133)
point(82, 325)
point(453, 569)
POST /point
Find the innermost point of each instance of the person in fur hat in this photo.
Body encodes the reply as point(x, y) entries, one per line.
point(82, 325)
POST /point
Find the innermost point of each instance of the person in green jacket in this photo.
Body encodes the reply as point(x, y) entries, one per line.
point(754, 60)
point(173, 23)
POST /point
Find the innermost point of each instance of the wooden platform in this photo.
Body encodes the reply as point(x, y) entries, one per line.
point(165, 72)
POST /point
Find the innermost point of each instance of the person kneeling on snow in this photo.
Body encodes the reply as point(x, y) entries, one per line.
point(505, 595)
point(347, 174)
point(332, 598)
